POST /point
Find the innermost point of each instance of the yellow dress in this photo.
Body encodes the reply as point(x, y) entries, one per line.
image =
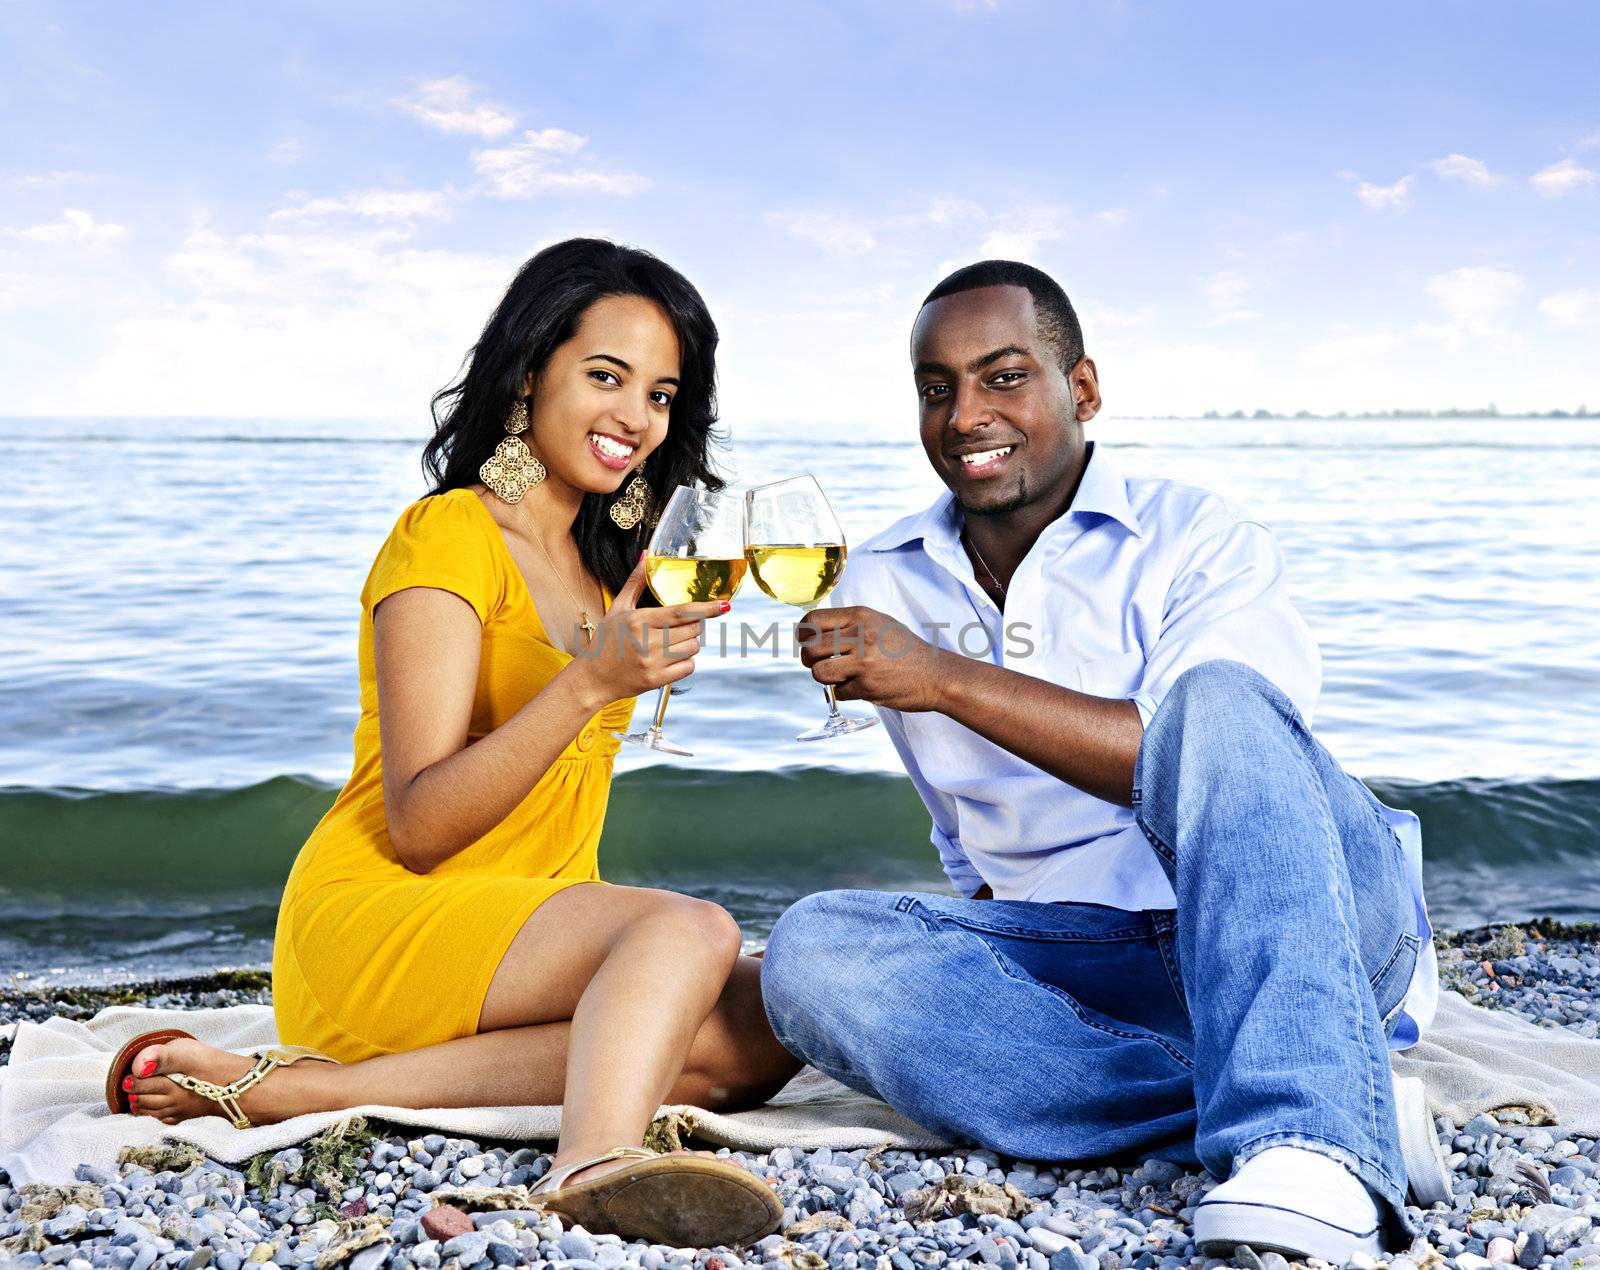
point(370, 958)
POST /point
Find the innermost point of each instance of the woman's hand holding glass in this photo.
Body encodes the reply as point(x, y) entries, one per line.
point(695, 562)
point(637, 650)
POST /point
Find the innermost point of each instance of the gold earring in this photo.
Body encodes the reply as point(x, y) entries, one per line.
point(512, 470)
point(630, 509)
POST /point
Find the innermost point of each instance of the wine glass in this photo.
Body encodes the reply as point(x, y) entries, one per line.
point(796, 552)
point(696, 554)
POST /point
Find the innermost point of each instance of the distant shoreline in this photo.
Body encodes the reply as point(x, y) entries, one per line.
point(1307, 416)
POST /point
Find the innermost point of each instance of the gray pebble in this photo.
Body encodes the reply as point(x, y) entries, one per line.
point(370, 1257)
point(469, 1248)
point(1246, 1258)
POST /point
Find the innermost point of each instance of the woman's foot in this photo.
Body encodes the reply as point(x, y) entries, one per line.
point(674, 1199)
point(150, 1093)
point(596, 1171)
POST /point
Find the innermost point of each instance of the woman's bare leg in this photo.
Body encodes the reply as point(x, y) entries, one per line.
point(652, 1015)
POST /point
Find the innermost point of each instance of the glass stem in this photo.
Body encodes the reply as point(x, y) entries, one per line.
point(661, 709)
point(833, 704)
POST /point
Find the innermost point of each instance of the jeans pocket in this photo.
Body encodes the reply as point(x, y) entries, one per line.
point(1392, 979)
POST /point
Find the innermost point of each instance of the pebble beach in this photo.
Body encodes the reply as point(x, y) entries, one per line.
point(365, 1194)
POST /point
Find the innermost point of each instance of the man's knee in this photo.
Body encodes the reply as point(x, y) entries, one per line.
point(1213, 700)
point(1219, 686)
point(817, 956)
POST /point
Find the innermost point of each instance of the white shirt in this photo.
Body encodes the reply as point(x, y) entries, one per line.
point(1139, 580)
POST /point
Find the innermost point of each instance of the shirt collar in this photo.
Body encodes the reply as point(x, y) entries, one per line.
point(1103, 491)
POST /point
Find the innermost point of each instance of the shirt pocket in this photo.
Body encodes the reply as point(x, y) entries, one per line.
point(1116, 676)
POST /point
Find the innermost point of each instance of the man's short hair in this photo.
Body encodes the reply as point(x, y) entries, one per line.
point(1058, 322)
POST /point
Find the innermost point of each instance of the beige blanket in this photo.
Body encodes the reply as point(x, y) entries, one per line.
point(53, 1115)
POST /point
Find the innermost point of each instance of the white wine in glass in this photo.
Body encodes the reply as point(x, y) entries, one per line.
point(796, 552)
point(696, 555)
point(797, 575)
point(679, 580)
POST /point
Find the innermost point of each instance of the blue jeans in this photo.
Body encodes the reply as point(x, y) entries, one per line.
point(1256, 1014)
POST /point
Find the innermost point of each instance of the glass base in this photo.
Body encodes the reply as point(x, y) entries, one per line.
point(836, 725)
point(652, 738)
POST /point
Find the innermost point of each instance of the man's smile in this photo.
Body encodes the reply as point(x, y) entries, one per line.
point(978, 463)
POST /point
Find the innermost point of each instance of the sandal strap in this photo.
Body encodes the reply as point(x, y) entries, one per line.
point(227, 1096)
point(555, 1179)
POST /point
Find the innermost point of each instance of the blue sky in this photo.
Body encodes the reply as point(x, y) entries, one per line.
point(296, 210)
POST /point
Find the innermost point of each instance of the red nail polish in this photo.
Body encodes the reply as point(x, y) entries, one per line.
point(149, 1068)
point(726, 605)
point(133, 1101)
point(127, 1082)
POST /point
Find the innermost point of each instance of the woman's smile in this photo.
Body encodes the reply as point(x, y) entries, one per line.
point(614, 452)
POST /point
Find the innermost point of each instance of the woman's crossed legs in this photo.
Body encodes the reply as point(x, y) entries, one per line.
point(610, 1001)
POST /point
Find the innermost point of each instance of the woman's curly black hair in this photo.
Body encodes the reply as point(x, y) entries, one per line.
point(539, 311)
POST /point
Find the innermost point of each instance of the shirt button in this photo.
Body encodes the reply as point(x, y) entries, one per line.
point(586, 739)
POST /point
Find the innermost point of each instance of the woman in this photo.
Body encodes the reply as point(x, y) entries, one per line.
point(444, 937)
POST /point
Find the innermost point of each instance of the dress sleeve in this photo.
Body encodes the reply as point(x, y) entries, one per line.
point(441, 542)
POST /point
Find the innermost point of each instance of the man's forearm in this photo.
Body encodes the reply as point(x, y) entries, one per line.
point(1089, 742)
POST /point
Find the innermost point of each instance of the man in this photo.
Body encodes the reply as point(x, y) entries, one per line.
point(1188, 932)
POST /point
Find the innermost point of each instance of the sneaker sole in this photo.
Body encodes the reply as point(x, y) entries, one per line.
point(1426, 1170)
point(1221, 1227)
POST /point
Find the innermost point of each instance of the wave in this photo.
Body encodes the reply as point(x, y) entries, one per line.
point(1495, 849)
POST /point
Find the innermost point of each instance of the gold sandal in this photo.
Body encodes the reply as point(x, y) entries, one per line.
point(685, 1201)
point(225, 1096)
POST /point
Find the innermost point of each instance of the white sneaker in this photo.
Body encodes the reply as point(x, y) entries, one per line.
point(1293, 1201)
point(1426, 1170)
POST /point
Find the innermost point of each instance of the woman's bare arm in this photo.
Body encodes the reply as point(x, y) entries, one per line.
point(440, 794)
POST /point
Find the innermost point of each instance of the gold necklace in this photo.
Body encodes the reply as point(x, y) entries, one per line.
point(586, 625)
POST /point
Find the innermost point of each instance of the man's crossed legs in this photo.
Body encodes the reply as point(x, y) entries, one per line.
point(1255, 1016)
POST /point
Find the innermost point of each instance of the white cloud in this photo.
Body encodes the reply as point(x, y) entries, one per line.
point(1230, 297)
point(448, 105)
point(1561, 179)
point(1381, 198)
point(1347, 346)
point(835, 233)
point(1020, 236)
point(1570, 309)
point(947, 211)
point(373, 204)
point(291, 322)
point(540, 163)
point(76, 228)
point(34, 180)
point(1461, 168)
point(1474, 300)
point(1112, 216)
point(1589, 142)
point(291, 150)
point(1105, 319)
point(1150, 377)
